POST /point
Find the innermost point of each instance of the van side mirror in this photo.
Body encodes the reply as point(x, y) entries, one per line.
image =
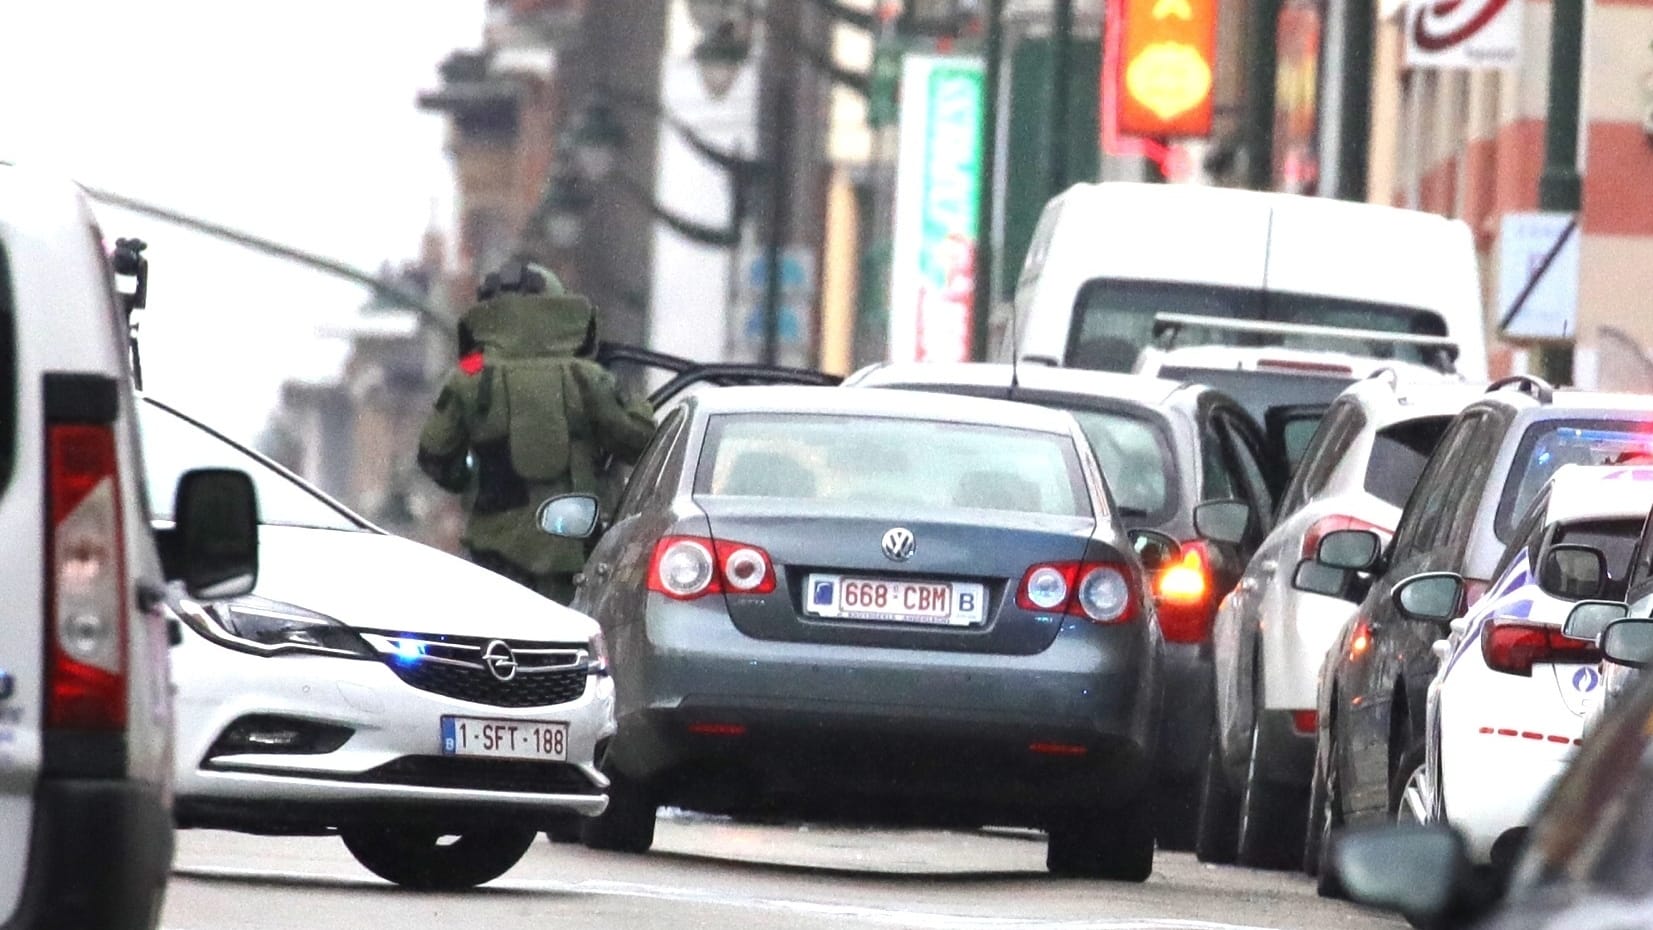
point(1155, 549)
point(1589, 619)
point(1573, 572)
point(1628, 643)
point(1223, 521)
point(1354, 550)
point(215, 538)
point(1434, 597)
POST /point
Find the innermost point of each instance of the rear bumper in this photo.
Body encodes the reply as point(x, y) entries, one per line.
point(714, 720)
point(99, 857)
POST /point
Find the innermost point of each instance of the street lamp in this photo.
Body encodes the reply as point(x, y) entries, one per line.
point(597, 138)
point(564, 208)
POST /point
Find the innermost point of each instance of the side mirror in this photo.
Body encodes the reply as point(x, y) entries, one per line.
point(570, 516)
point(1435, 597)
point(1628, 643)
point(1354, 550)
point(1155, 549)
point(1421, 872)
point(215, 539)
point(1223, 521)
point(1589, 619)
point(1573, 572)
point(1316, 578)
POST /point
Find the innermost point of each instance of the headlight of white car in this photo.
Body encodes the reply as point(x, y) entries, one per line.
point(265, 627)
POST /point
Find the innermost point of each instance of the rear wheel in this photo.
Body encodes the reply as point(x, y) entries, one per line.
point(1216, 835)
point(428, 860)
point(1327, 818)
point(1117, 845)
point(1272, 816)
point(565, 829)
point(1408, 795)
point(628, 824)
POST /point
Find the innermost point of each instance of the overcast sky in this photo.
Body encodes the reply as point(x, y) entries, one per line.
point(295, 121)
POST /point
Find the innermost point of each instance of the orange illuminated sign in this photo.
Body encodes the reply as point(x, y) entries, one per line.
point(1166, 67)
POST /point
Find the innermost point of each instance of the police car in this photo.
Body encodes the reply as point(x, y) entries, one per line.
point(1506, 708)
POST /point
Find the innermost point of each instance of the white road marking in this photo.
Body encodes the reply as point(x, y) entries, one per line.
point(874, 916)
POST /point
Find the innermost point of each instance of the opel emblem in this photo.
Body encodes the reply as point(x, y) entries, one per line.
point(500, 660)
point(899, 544)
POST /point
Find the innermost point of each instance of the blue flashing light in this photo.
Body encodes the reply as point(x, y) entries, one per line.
point(409, 650)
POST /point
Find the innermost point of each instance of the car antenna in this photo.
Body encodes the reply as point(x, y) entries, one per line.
point(1015, 358)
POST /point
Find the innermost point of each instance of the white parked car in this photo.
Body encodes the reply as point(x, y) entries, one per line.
point(86, 723)
point(1506, 708)
point(1107, 259)
point(1270, 636)
point(380, 689)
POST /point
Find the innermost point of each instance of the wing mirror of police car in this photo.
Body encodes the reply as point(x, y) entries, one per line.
point(1433, 597)
point(213, 546)
point(1155, 549)
point(1590, 619)
point(1573, 572)
point(569, 516)
point(1628, 643)
point(1223, 521)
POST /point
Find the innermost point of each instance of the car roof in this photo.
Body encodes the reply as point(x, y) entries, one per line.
point(892, 403)
point(1395, 399)
point(1138, 389)
point(1599, 492)
point(1142, 195)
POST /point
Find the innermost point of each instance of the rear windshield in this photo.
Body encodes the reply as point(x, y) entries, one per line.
point(885, 462)
point(173, 445)
point(1615, 538)
point(1398, 456)
point(1135, 459)
point(1114, 320)
point(1550, 445)
point(1261, 391)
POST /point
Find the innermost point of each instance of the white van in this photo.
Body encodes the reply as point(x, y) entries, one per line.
point(1110, 262)
point(85, 698)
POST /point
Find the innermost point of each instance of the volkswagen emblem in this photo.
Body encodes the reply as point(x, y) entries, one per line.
point(500, 660)
point(899, 544)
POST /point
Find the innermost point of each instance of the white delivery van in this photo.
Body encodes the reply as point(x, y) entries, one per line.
point(85, 698)
point(1115, 268)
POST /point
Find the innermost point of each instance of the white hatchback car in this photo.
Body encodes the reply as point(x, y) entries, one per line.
point(379, 689)
point(1506, 709)
point(1271, 636)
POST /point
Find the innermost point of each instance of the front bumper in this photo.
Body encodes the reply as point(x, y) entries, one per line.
point(99, 856)
point(715, 720)
point(391, 765)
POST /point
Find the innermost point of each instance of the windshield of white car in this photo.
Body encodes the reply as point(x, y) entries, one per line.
point(1114, 321)
point(174, 444)
point(884, 461)
point(1399, 453)
point(1551, 444)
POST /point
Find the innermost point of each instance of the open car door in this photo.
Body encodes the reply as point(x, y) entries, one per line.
point(1289, 428)
point(685, 374)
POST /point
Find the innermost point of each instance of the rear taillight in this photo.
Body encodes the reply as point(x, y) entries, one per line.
point(86, 581)
point(1186, 597)
point(1514, 647)
point(1097, 591)
point(688, 567)
point(1331, 524)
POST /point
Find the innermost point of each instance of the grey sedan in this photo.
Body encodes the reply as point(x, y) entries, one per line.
point(881, 607)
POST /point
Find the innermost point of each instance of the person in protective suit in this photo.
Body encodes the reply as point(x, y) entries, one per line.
point(525, 418)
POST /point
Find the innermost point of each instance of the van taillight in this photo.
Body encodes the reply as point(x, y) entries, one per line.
point(85, 581)
point(1514, 647)
point(1186, 595)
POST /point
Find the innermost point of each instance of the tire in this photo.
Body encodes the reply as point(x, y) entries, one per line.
point(1407, 801)
point(1272, 817)
point(416, 858)
point(566, 830)
point(1116, 845)
point(1328, 818)
point(1216, 835)
point(1177, 813)
point(628, 824)
point(1315, 828)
